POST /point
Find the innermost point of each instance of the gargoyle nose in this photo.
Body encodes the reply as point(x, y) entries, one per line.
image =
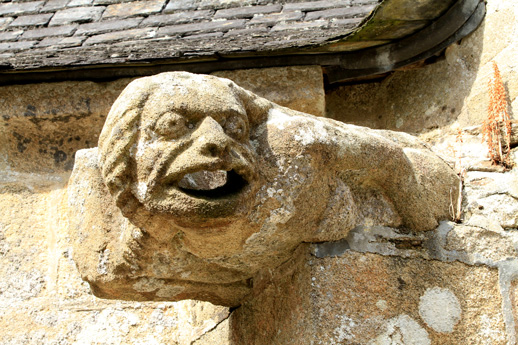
point(212, 139)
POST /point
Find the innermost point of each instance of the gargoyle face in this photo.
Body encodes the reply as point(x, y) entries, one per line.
point(193, 159)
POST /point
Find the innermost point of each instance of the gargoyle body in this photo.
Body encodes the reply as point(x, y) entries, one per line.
point(198, 185)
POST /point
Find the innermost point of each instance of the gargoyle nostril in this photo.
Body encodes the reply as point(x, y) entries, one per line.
point(215, 149)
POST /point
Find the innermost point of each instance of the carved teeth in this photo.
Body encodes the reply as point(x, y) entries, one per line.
point(204, 180)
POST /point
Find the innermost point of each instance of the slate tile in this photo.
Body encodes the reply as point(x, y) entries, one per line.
point(10, 35)
point(4, 22)
point(204, 36)
point(220, 4)
point(75, 3)
point(348, 12)
point(109, 2)
point(178, 18)
point(73, 41)
point(5, 56)
point(142, 33)
point(220, 25)
point(20, 7)
point(299, 25)
point(246, 12)
point(22, 45)
point(49, 32)
point(134, 8)
point(108, 25)
point(257, 31)
point(77, 15)
point(61, 42)
point(314, 5)
point(271, 19)
point(49, 41)
point(180, 5)
point(32, 20)
point(54, 5)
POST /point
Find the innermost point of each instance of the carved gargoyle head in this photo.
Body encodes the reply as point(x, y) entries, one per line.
point(179, 146)
point(198, 186)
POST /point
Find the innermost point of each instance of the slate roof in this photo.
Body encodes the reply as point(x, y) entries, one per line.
point(57, 35)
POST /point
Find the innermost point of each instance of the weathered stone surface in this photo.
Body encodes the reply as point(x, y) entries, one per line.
point(287, 178)
point(4, 22)
point(121, 35)
point(35, 19)
point(454, 89)
point(53, 5)
point(222, 25)
point(458, 262)
point(246, 12)
point(316, 26)
point(493, 195)
point(61, 42)
point(76, 15)
point(313, 5)
point(10, 35)
point(109, 25)
point(16, 45)
point(217, 336)
point(255, 32)
point(359, 298)
point(16, 8)
point(65, 30)
point(23, 256)
point(298, 26)
point(134, 8)
point(49, 112)
point(273, 18)
point(75, 3)
point(44, 301)
point(178, 18)
point(185, 5)
point(482, 242)
point(203, 36)
point(298, 88)
point(45, 125)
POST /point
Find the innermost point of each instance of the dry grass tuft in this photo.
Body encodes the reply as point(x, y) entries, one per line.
point(496, 129)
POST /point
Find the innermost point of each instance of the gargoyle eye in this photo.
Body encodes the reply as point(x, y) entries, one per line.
point(236, 128)
point(171, 126)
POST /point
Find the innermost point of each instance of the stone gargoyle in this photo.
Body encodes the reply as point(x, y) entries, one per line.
point(197, 185)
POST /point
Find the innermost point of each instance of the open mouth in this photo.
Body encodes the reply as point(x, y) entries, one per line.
point(212, 184)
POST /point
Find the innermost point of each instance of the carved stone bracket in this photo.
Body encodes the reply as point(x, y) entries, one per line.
point(198, 186)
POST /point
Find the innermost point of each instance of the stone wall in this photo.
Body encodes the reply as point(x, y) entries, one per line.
point(454, 285)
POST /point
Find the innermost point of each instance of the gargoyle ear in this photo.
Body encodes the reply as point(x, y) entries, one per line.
point(256, 107)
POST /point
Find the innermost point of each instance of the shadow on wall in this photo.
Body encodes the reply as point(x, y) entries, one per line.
point(413, 100)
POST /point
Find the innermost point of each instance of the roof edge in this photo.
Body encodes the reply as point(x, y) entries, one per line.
point(459, 21)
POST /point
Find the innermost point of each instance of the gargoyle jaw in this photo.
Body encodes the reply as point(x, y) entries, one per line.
point(213, 185)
